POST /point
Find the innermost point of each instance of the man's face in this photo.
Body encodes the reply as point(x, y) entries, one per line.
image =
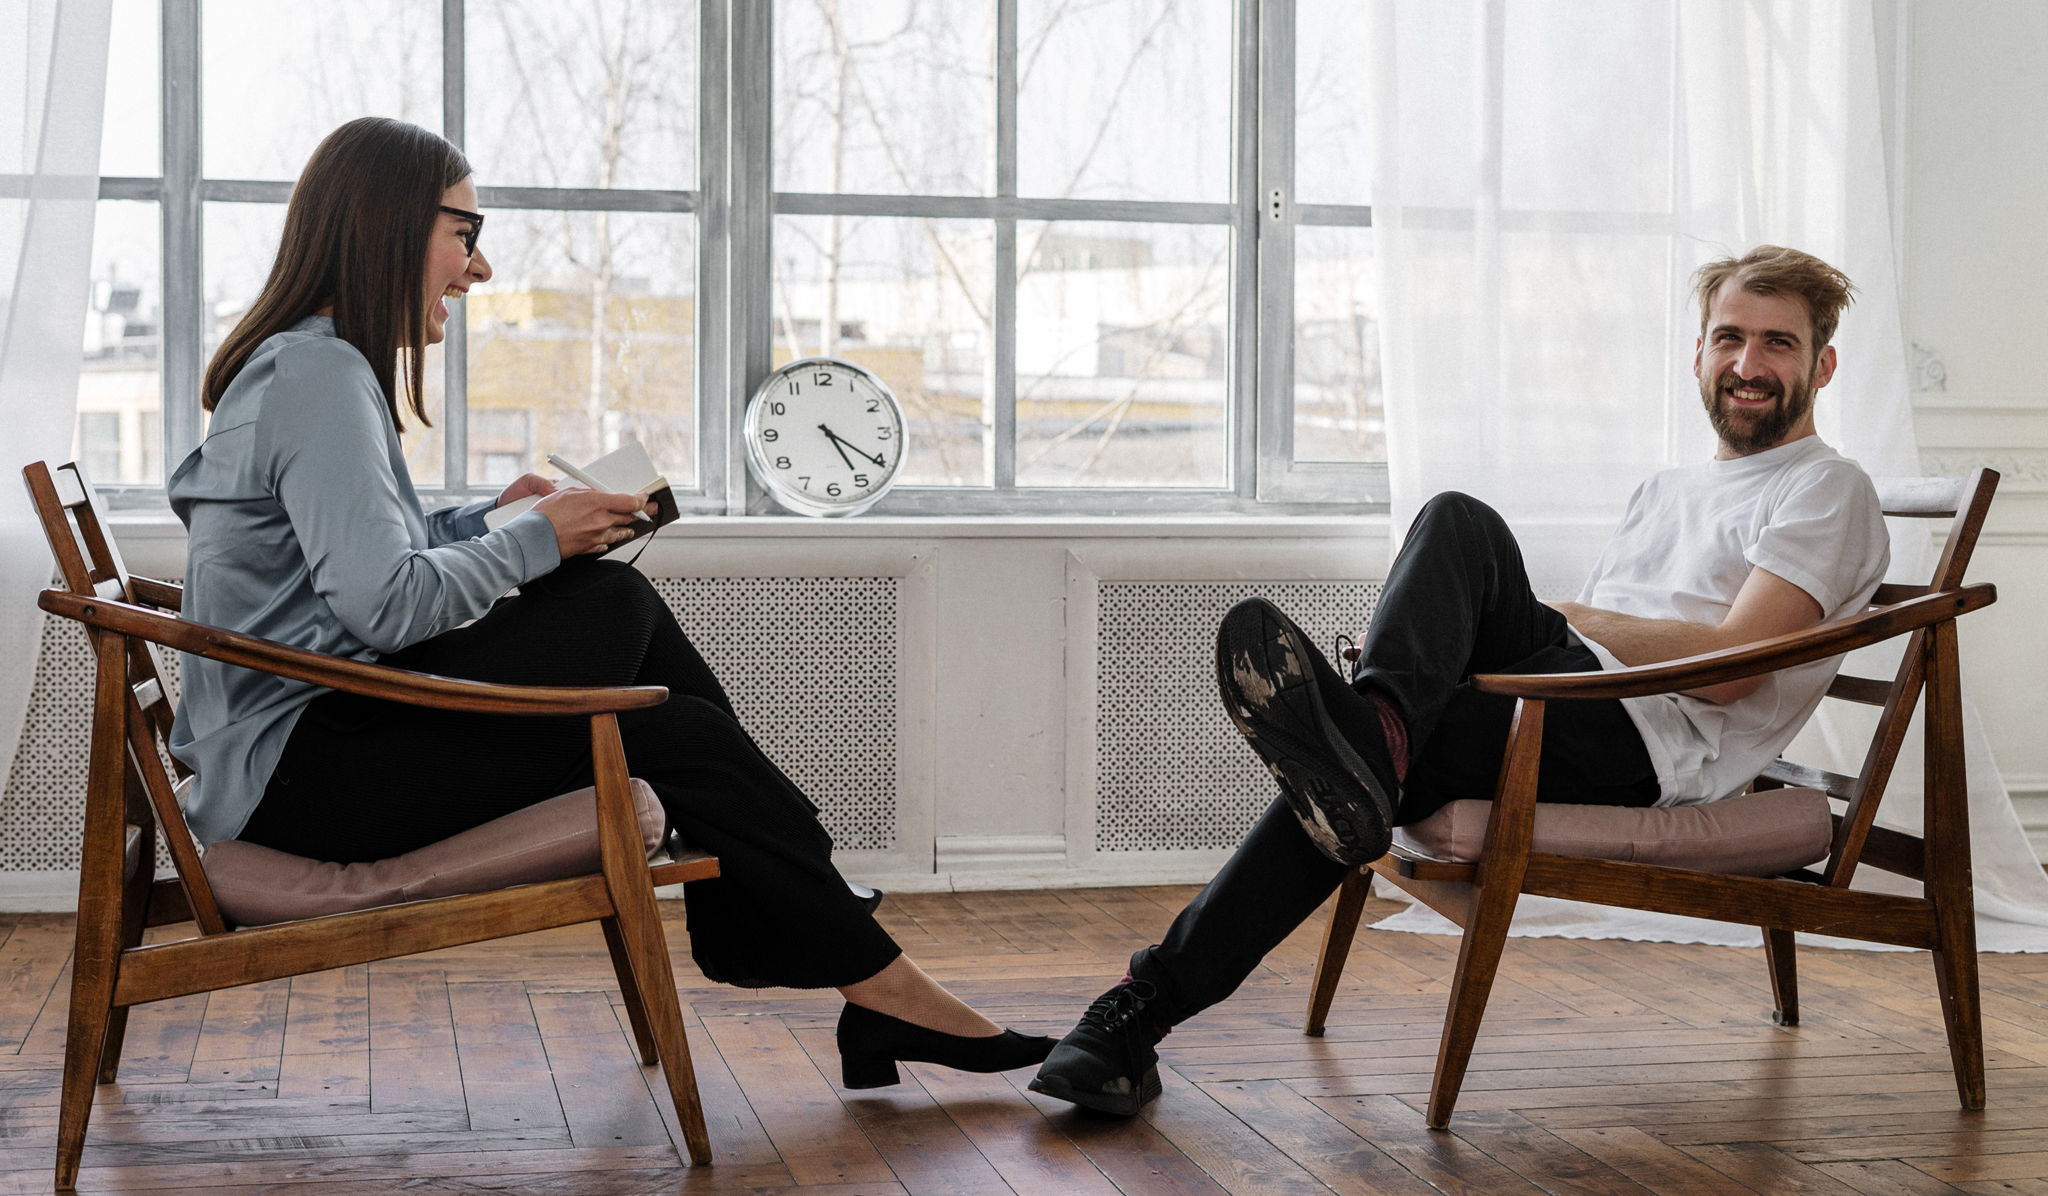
point(1758, 370)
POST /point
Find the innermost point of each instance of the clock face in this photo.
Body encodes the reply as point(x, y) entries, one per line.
point(824, 436)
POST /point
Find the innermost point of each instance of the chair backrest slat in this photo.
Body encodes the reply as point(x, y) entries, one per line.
point(88, 562)
point(1860, 689)
point(1891, 592)
point(1801, 776)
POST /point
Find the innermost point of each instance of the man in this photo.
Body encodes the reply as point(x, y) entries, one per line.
point(1775, 534)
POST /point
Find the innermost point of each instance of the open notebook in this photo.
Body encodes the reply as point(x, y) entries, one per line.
point(625, 470)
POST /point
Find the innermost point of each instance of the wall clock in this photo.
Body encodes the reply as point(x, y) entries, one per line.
point(824, 436)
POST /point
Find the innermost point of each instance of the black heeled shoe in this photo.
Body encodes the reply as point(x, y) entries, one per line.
point(872, 1044)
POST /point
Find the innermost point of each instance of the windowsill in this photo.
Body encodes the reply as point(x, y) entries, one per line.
point(163, 526)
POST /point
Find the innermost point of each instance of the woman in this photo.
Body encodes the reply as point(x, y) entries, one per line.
point(304, 527)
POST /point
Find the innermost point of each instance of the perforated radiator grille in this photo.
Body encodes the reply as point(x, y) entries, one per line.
point(1171, 772)
point(779, 645)
point(45, 799)
point(811, 665)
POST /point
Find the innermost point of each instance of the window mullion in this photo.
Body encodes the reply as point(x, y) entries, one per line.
point(455, 346)
point(1270, 442)
point(1001, 427)
point(715, 416)
point(750, 226)
point(184, 325)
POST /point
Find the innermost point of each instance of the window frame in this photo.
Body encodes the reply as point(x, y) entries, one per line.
point(736, 205)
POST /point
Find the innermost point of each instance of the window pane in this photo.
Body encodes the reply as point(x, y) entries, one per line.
point(1333, 125)
point(279, 77)
point(1338, 414)
point(131, 132)
point(1122, 354)
point(500, 446)
point(601, 93)
point(887, 99)
point(910, 301)
point(241, 244)
point(1124, 101)
point(120, 382)
point(536, 351)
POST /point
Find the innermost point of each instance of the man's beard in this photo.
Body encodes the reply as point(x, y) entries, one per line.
point(1752, 430)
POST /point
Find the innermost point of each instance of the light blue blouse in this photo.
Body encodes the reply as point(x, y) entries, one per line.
point(303, 527)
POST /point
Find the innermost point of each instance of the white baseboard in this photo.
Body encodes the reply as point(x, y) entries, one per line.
point(1001, 853)
point(39, 892)
point(1120, 876)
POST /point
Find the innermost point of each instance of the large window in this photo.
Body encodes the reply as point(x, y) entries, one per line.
point(1073, 238)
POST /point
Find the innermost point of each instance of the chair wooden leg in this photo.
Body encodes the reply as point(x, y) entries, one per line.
point(1955, 978)
point(640, 931)
point(1949, 884)
point(629, 989)
point(1337, 935)
point(1779, 957)
point(1503, 864)
point(96, 954)
point(1478, 961)
point(639, 925)
point(85, 1039)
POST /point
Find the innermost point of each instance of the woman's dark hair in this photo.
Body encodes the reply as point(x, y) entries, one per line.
point(355, 240)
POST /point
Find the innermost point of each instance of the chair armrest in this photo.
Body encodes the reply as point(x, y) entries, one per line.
point(350, 676)
point(1746, 660)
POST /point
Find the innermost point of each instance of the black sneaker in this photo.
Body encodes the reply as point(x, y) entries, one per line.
point(1107, 1062)
point(1338, 779)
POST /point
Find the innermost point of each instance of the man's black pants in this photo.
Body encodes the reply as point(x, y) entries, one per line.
point(1457, 602)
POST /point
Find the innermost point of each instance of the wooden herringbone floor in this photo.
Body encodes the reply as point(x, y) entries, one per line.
point(1604, 1067)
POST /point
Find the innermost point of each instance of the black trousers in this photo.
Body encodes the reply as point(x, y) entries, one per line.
point(1457, 602)
point(365, 779)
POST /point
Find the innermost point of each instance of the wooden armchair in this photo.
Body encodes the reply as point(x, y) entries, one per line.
point(1524, 850)
point(134, 792)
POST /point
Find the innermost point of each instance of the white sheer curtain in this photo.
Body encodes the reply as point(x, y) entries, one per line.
point(53, 63)
point(1547, 175)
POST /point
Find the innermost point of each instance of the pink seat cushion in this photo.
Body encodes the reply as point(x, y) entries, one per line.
point(1751, 834)
point(256, 885)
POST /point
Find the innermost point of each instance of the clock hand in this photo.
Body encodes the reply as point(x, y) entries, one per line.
point(839, 440)
point(835, 444)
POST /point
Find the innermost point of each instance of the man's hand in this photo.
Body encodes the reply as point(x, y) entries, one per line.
point(592, 520)
point(525, 484)
point(1766, 606)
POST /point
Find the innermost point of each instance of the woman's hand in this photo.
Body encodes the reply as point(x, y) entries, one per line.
point(527, 483)
point(591, 520)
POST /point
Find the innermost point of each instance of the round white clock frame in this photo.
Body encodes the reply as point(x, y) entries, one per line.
point(824, 437)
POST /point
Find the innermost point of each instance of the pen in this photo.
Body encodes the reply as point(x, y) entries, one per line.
point(555, 459)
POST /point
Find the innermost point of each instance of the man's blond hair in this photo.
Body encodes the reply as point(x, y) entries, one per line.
point(1776, 270)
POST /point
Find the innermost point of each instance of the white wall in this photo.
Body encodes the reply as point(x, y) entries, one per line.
point(1976, 304)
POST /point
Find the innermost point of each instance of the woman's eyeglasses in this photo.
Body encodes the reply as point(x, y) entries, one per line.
point(468, 235)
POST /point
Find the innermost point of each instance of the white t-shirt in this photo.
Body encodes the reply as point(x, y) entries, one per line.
point(1684, 548)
